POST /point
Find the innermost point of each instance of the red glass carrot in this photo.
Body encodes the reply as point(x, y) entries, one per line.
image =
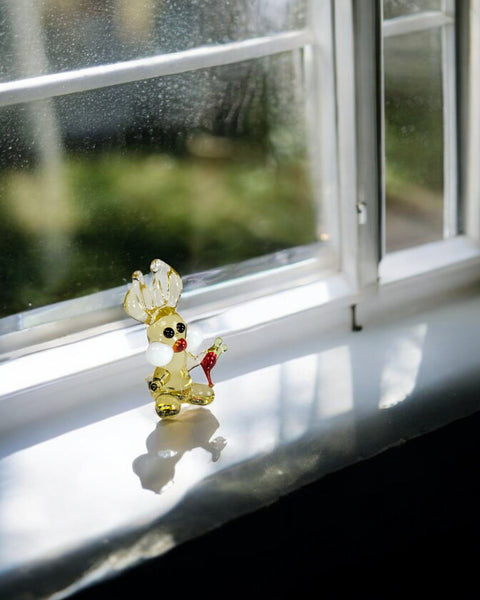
point(210, 358)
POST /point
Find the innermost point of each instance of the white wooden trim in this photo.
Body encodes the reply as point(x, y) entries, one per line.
point(472, 208)
point(450, 150)
point(417, 22)
point(90, 78)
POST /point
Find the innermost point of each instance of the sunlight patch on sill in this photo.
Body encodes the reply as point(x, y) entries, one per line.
point(403, 361)
point(61, 361)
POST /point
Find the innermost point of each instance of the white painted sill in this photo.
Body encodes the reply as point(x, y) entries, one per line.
point(439, 267)
point(93, 484)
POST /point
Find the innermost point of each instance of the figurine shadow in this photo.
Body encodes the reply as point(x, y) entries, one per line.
point(169, 441)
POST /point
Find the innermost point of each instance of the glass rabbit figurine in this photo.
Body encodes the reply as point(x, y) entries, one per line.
point(170, 385)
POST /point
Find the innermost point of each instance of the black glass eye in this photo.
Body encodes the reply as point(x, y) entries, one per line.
point(168, 332)
point(181, 327)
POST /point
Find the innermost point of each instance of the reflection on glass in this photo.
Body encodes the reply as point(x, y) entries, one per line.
point(84, 33)
point(201, 169)
point(413, 139)
point(401, 8)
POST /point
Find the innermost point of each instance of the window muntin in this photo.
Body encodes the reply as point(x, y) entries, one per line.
point(70, 35)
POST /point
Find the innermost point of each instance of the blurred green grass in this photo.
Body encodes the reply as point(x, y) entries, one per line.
point(88, 223)
point(413, 139)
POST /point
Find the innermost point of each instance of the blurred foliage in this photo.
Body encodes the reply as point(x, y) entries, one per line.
point(413, 139)
point(414, 109)
point(201, 169)
point(113, 213)
point(414, 145)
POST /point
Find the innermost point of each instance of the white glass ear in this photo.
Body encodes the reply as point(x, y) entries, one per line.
point(194, 338)
point(159, 354)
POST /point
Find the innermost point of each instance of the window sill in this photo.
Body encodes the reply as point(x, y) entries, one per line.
point(429, 258)
point(81, 352)
point(95, 485)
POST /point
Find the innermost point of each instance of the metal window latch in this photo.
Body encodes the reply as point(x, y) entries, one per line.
point(361, 213)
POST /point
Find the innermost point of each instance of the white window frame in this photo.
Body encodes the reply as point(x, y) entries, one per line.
point(363, 286)
point(443, 21)
point(457, 247)
point(39, 330)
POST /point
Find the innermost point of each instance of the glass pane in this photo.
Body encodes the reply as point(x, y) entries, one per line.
point(400, 8)
point(413, 139)
point(44, 36)
point(201, 169)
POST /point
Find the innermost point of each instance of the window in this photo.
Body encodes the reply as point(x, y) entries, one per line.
point(167, 133)
point(429, 136)
point(420, 123)
point(266, 150)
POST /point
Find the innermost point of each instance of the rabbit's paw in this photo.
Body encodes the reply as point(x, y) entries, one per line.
point(201, 394)
point(167, 406)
